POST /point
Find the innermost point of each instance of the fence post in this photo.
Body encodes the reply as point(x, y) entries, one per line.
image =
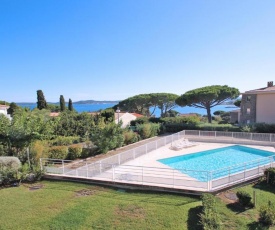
point(142, 175)
point(215, 135)
point(199, 133)
point(173, 178)
point(41, 166)
point(210, 185)
point(63, 168)
point(258, 166)
point(229, 172)
point(251, 136)
point(244, 170)
point(146, 149)
point(118, 159)
point(100, 169)
point(113, 172)
point(87, 170)
point(270, 135)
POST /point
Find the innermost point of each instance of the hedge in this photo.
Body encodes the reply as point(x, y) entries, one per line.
point(58, 152)
point(12, 163)
point(74, 151)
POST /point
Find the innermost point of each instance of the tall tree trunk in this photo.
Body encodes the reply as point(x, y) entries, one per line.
point(209, 114)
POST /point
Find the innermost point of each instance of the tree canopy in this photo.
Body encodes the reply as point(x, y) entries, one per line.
point(237, 103)
point(70, 105)
point(41, 101)
point(207, 97)
point(143, 102)
point(62, 103)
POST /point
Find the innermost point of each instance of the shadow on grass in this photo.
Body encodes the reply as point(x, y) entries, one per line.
point(256, 226)
point(236, 207)
point(193, 222)
point(262, 185)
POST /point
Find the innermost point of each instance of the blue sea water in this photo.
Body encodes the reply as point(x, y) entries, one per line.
point(96, 107)
point(220, 162)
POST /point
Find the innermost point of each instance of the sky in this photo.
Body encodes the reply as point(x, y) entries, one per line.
point(115, 49)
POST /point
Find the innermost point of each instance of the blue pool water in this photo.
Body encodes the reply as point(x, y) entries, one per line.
point(219, 162)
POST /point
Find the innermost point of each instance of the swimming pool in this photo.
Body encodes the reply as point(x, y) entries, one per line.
point(221, 162)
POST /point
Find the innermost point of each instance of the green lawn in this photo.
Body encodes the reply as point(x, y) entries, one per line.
point(59, 205)
point(65, 205)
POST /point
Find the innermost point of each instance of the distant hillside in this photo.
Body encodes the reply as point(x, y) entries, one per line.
point(74, 102)
point(95, 102)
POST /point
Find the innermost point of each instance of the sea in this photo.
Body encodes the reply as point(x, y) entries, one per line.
point(97, 107)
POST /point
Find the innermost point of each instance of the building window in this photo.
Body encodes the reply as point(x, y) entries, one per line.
point(248, 98)
point(248, 122)
point(248, 111)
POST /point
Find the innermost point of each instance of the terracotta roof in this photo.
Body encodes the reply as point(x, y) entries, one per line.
point(4, 106)
point(54, 114)
point(137, 115)
point(188, 114)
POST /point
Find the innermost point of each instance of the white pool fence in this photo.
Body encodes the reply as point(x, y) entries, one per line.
point(111, 168)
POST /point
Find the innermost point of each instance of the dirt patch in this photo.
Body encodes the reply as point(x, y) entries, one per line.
point(85, 192)
point(228, 197)
point(130, 211)
point(35, 187)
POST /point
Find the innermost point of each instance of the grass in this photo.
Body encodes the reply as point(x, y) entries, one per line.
point(234, 216)
point(66, 205)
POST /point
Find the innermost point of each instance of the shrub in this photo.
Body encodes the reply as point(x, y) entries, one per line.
point(87, 152)
point(9, 167)
point(267, 214)
point(247, 128)
point(12, 163)
point(270, 175)
point(244, 198)
point(74, 151)
point(130, 137)
point(30, 174)
point(264, 128)
point(148, 130)
point(39, 149)
point(7, 176)
point(209, 218)
point(60, 140)
point(140, 120)
point(109, 137)
point(58, 152)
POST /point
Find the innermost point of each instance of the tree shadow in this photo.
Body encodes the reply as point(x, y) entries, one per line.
point(193, 222)
point(262, 185)
point(236, 207)
point(256, 226)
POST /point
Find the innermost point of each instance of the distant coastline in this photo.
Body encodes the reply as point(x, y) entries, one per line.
point(90, 102)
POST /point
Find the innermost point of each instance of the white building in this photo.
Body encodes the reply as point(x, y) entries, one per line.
point(4, 110)
point(126, 118)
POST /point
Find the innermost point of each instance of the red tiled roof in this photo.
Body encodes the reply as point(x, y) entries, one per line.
point(4, 106)
point(188, 114)
point(137, 115)
point(54, 114)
